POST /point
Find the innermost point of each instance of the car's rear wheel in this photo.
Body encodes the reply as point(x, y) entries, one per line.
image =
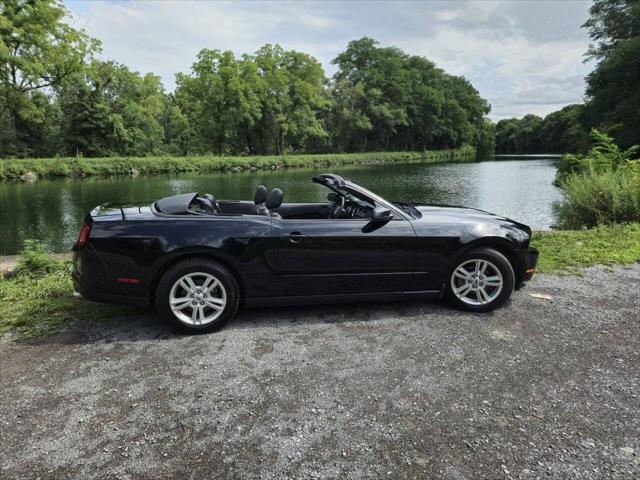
point(481, 281)
point(197, 296)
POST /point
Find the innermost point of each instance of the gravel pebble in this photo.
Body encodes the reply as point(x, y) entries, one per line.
point(537, 389)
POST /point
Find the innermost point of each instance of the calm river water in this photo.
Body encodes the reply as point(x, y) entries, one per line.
point(519, 187)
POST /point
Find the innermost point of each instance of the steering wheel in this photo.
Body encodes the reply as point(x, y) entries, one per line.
point(338, 207)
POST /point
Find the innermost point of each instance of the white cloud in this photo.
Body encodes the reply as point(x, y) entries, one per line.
point(522, 56)
point(515, 74)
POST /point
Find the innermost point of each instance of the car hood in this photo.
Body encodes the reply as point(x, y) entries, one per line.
point(464, 215)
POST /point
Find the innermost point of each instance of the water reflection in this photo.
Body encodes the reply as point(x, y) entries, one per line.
point(52, 210)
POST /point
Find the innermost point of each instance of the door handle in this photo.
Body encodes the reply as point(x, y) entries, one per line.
point(295, 237)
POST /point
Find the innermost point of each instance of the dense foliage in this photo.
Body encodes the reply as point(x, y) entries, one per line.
point(385, 99)
point(11, 169)
point(600, 187)
point(612, 96)
point(37, 52)
point(57, 99)
point(613, 88)
point(558, 132)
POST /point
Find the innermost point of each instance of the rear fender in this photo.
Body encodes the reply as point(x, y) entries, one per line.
point(167, 261)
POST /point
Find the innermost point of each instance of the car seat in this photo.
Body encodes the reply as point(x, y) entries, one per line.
point(275, 200)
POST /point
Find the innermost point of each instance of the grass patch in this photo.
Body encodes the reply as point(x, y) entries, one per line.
point(565, 251)
point(78, 167)
point(38, 298)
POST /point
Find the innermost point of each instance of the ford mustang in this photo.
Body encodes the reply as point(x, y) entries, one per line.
point(196, 259)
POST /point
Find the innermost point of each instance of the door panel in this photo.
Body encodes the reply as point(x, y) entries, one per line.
point(314, 211)
point(315, 257)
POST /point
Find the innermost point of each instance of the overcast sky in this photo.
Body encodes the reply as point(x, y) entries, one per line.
point(523, 56)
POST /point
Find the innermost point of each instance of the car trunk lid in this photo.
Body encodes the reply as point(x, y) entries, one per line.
point(120, 211)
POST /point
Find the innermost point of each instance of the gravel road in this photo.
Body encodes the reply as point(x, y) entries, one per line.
point(543, 388)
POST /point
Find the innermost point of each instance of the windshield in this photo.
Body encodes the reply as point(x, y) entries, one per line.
point(409, 209)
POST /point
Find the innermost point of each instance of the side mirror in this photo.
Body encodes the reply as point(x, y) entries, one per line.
point(381, 216)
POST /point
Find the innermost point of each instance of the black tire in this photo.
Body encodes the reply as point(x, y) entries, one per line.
point(495, 260)
point(196, 269)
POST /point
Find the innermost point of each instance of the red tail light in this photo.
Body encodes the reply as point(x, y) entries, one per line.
point(83, 235)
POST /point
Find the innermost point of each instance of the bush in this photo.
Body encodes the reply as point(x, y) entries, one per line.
point(605, 155)
point(34, 261)
point(592, 199)
point(601, 187)
point(64, 167)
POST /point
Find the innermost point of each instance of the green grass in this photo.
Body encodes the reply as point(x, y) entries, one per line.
point(38, 298)
point(70, 167)
point(566, 251)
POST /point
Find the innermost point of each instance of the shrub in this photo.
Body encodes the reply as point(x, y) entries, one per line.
point(596, 198)
point(59, 167)
point(34, 261)
point(605, 155)
point(601, 187)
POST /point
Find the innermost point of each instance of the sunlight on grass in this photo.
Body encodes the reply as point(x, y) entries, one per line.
point(39, 301)
point(566, 251)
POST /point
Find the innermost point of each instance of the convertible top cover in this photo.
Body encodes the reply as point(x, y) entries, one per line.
point(177, 204)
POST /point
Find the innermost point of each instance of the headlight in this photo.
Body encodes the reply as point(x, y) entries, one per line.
point(517, 235)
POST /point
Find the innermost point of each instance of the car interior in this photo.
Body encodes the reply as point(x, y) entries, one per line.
point(340, 204)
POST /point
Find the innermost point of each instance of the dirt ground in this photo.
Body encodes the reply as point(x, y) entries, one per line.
point(543, 388)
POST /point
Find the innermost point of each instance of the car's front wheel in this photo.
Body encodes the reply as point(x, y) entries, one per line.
point(481, 281)
point(197, 296)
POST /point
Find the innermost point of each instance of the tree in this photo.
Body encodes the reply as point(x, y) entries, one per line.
point(85, 125)
point(558, 132)
point(109, 110)
point(386, 99)
point(291, 99)
point(263, 103)
point(486, 141)
point(177, 129)
point(613, 88)
point(221, 101)
point(348, 120)
point(562, 131)
point(37, 51)
point(378, 73)
point(611, 22)
point(519, 136)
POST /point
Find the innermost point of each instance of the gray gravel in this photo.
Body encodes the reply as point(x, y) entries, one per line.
point(541, 388)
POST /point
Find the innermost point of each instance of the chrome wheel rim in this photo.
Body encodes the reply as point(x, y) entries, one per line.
point(197, 299)
point(476, 282)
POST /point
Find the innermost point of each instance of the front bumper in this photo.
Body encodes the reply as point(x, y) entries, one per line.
point(530, 262)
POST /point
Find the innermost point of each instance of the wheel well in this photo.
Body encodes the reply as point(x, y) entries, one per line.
point(188, 256)
point(506, 250)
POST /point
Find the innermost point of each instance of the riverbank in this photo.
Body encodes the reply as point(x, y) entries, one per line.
point(39, 299)
point(545, 387)
point(567, 251)
point(31, 169)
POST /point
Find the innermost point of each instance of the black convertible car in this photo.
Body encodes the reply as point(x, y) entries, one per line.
point(197, 258)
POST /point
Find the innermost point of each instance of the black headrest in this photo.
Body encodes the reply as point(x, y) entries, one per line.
point(207, 204)
point(275, 199)
point(261, 195)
